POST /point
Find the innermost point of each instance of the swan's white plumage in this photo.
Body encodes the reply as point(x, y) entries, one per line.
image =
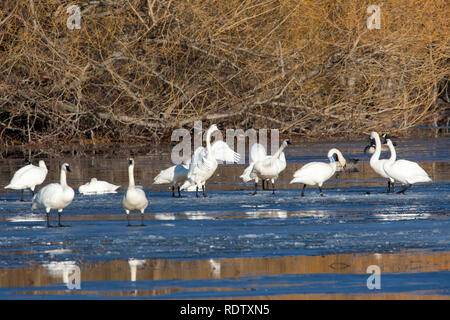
point(376, 163)
point(175, 175)
point(316, 173)
point(222, 152)
point(54, 195)
point(204, 161)
point(97, 187)
point(28, 177)
point(404, 171)
point(134, 198)
point(268, 167)
point(257, 153)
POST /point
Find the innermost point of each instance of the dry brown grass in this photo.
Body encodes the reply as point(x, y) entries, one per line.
point(137, 69)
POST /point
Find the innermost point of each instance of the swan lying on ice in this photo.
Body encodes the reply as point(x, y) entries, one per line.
point(97, 187)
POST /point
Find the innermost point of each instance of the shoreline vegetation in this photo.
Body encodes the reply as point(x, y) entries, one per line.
point(136, 70)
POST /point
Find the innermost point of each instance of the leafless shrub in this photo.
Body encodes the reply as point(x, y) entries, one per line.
point(138, 69)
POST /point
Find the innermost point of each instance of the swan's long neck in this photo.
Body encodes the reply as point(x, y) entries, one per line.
point(131, 176)
point(63, 178)
point(277, 154)
point(377, 153)
point(331, 154)
point(42, 164)
point(393, 156)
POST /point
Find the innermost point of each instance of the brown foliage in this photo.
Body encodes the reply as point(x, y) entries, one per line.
point(138, 69)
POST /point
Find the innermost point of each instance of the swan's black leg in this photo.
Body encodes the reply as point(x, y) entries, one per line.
point(256, 187)
point(406, 187)
point(388, 187)
point(321, 193)
point(128, 219)
point(273, 187)
point(303, 190)
point(393, 186)
point(59, 220)
point(196, 191)
point(179, 192)
point(21, 196)
point(48, 219)
point(173, 191)
point(204, 191)
point(142, 219)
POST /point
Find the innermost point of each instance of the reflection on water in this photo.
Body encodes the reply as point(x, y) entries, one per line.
point(62, 269)
point(267, 213)
point(233, 244)
point(298, 275)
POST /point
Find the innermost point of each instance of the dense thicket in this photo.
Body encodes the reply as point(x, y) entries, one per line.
point(137, 69)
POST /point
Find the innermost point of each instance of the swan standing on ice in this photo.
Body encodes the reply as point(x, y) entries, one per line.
point(316, 173)
point(269, 167)
point(28, 177)
point(257, 153)
point(376, 163)
point(174, 176)
point(134, 198)
point(97, 187)
point(204, 161)
point(404, 171)
point(54, 196)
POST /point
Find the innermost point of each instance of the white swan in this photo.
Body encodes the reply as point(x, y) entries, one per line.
point(269, 167)
point(204, 161)
point(404, 171)
point(54, 196)
point(28, 177)
point(257, 153)
point(175, 176)
point(134, 198)
point(316, 173)
point(97, 187)
point(377, 164)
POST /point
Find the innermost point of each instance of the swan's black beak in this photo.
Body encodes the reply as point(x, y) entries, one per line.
point(367, 148)
point(68, 169)
point(130, 162)
point(388, 136)
point(219, 126)
point(288, 142)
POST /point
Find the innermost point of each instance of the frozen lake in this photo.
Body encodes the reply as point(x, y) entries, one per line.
point(233, 244)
